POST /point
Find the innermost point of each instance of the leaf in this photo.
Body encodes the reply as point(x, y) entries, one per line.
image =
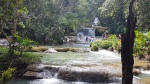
point(21, 24)
point(23, 10)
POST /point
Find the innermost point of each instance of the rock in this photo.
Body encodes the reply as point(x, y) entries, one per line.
point(136, 72)
point(62, 49)
point(83, 76)
point(50, 50)
point(4, 42)
point(74, 50)
point(141, 64)
point(32, 75)
point(52, 68)
point(35, 67)
point(84, 50)
point(38, 49)
point(91, 75)
point(110, 49)
point(39, 71)
point(79, 50)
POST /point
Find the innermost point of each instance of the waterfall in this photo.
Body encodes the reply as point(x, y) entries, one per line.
point(87, 31)
point(96, 21)
point(50, 72)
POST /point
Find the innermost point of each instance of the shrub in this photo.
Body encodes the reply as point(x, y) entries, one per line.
point(7, 75)
point(3, 54)
point(140, 44)
point(94, 48)
point(104, 44)
point(29, 58)
point(112, 41)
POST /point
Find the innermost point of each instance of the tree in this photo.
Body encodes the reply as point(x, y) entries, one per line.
point(143, 13)
point(112, 13)
point(10, 15)
point(127, 42)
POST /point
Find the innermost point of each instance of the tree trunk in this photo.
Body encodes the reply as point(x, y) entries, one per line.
point(127, 42)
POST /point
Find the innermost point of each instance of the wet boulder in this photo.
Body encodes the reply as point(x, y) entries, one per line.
point(136, 72)
point(110, 49)
point(38, 49)
point(62, 49)
point(87, 75)
point(32, 75)
point(39, 71)
point(35, 67)
point(79, 50)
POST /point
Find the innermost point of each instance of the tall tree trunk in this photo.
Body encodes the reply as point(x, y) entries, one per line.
point(127, 42)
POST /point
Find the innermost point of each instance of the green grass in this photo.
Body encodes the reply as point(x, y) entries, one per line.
point(29, 58)
point(26, 57)
point(3, 54)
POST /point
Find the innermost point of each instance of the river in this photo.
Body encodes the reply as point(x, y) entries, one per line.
point(102, 60)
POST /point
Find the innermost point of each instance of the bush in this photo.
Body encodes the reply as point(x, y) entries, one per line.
point(104, 44)
point(29, 58)
point(94, 48)
point(26, 57)
point(3, 54)
point(112, 42)
point(7, 75)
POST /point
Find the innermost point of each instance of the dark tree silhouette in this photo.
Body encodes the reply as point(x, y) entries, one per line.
point(127, 42)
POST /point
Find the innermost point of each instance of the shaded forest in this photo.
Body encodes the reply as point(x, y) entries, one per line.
point(53, 19)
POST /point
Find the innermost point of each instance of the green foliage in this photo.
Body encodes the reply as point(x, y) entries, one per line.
point(113, 14)
point(3, 54)
point(7, 75)
point(116, 43)
point(29, 58)
point(143, 11)
point(42, 18)
point(112, 41)
point(104, 44)
point(69, 21)
point(23, 10)
point(3, 49)
point(112, 38)
point(23, 43)
point(94, 48)
point(141, 44)
point(21, 25)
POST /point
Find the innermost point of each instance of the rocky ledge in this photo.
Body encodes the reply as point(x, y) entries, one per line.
point(37, 71)
point(72, 73)
point(54, 50)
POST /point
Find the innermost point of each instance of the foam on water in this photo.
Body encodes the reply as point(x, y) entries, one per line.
point(146, 72)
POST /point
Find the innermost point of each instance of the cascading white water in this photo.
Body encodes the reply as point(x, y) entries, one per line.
point(87, 31)
point(47, 74)
point(86, 35)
